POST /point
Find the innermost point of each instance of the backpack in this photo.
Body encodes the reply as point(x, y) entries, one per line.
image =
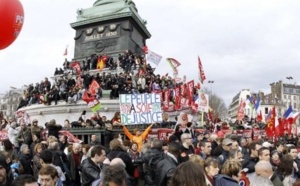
point(63, 163)
point(151, 169)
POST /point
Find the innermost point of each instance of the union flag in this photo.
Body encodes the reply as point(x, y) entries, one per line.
point(93, 88)
point(270, 120)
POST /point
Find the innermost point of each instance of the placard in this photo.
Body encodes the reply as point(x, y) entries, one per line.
point(140, 108)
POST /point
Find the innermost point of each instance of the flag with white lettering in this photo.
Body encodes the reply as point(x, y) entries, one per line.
point(190, 85)
point(94, 86)
point(202, 77)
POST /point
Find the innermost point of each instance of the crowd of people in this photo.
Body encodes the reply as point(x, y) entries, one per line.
point(187, 157)
point(69, 86)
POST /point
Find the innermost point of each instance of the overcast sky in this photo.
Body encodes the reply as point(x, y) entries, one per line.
point(242, 44)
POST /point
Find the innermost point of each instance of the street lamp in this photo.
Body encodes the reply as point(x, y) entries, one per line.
point(289, 78)
point(290, 96)
point(211, 82)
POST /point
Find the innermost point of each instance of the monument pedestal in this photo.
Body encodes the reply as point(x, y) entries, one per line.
point(109, 30)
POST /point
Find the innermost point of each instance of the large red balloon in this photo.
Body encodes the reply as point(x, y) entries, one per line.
point(11, 21)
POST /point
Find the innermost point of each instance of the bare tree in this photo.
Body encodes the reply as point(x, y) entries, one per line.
point(217, 104)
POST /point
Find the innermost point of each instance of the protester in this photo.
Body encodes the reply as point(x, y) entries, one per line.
point(25, 180)
point(49, 176)
point(230, 174)
point(264, 169)
point(90, 169)
point(166, 167)
point(5, 178)
point(188, 173)
point(138, 136)
point(211, 168)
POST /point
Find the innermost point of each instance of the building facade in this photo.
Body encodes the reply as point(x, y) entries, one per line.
point(9, 102)
point(282, 95)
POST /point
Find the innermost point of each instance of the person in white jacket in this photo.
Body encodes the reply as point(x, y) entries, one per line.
point(142, 81)
point(12, 134)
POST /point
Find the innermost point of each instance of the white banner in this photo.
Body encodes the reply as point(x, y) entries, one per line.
point(203, 101)
point(153, 57)
point(140, 108)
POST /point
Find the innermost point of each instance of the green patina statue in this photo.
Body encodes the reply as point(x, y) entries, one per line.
point(115, 3)
point(104, 2)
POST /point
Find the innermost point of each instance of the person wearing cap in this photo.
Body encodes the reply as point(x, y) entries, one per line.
point(24, 136)
point(35, 127)
point(226, 147)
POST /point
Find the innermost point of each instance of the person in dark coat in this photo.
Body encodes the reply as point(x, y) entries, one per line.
point(74, 158)
point(90, 171)
point(166, 167)
point(250, 161)
point(53, 128)
point(151, 157)
point(25, 159)
point(118, 152)
point(4, 172)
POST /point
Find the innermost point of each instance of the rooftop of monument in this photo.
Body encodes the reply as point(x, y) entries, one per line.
point(109, 10)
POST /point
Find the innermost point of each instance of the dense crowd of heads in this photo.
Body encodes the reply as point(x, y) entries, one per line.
point(135, 77)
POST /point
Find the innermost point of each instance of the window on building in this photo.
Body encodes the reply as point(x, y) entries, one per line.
point(295, 105)
point(284, 96)
point(266, 110)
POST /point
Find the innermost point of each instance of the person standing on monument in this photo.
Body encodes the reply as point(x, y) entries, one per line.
point(139, 136)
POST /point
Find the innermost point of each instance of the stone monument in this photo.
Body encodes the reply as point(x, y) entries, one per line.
point(110, 27)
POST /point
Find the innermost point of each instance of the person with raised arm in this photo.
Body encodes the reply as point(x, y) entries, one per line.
point(138, 135)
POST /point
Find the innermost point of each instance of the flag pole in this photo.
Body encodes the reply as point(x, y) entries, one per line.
point(202, 118)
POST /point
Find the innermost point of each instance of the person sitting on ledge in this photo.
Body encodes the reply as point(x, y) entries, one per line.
point(138, 136)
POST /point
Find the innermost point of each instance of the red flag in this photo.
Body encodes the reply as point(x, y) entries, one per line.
point(142, 69)
point(241, 113)
point(279, 130)
point(202, 77)
point(70, 136)
point(191, 91)
point(145, 49)
point(66, 51)
point(93, 88)
point(210, 115)
point(177, 98)
point(259, 117)
point(76, 66)
point(270, 128)
point(166, 94)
